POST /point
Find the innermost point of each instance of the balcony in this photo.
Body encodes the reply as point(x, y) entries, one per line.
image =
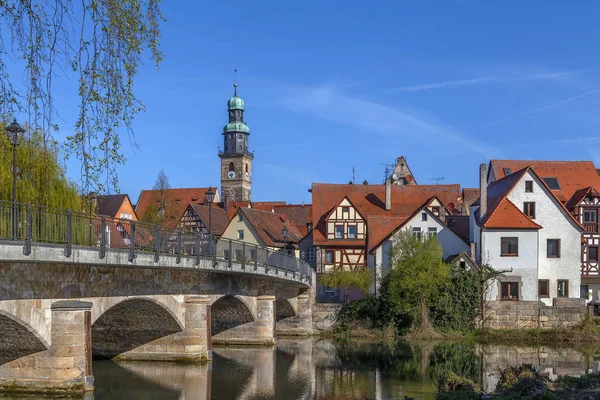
point(591, 227)
point(223, 153)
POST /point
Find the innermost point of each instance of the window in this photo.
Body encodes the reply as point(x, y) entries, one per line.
point(432, 231)
point(240, 217)
point(509, 246)
point(125, 216)
point(553, 248)
point(424, 216)
point(435, 210)
point(463, 265)
point(417, 233)
point(238, 254)
point(241, 234)
point(529, 209)
point(309, 226)
point(543, 288)
point(583, 291)
point(509, 291)
point(562, 289)
point(351, 231)
point(231, 167)
point(226, 254)
point(593, 253)
point(345, 210)
point(529, 186)
point(310, 254)
point(552, 183)
point(329, 256)
point(507, 171)
point(590, 215)
point(253, 254)
point(339, 231)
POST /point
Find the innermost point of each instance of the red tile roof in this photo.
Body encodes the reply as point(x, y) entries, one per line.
point(572, 175)
point(470, 195)
point(369, 201)
point(177, 202)
point(266, 205)
point(299, 214)
point(507, 215)
point(269, 226)
point(379, 227)
point(233, 207)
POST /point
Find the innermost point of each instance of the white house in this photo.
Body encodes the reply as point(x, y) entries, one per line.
point(520, 225)
point(422, 223)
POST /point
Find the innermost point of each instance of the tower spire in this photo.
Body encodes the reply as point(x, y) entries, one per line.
point(235, 82)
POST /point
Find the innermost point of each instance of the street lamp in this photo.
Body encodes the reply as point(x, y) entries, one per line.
point(284, 232)
point(15, 134)
point(210, 197)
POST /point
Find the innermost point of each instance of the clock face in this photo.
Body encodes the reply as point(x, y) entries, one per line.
point(231, 174)
point(247, 176)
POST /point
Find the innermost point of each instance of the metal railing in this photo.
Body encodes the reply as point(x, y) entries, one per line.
point(35, 224)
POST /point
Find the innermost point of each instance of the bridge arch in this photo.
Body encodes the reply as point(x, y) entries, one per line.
point(228, 312)
point(284, 309)
point(124, 324)
point(23, 330)
point(167, 302)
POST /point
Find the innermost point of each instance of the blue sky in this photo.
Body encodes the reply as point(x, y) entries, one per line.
point(332, 85)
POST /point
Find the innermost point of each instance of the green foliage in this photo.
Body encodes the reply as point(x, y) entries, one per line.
point(41, 179)
point(456, 305)
point(371, 313)
point(417, 273)
point(522, 381)
point(360, 279)
point(460, 387)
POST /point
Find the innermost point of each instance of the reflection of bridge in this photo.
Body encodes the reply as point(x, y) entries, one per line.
point(75, 285)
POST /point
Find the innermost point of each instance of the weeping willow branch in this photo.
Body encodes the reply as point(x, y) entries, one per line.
point(100, 42)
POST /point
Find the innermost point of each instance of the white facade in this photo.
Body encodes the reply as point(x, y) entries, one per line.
point(451, 243)
point(532, 262)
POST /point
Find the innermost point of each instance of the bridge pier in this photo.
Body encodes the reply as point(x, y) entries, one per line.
point(66, 366)
point(249, 322)
point(301, 323)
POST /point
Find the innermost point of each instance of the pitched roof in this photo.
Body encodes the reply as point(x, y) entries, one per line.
point(578, 197)
point(572, 175)
point(269, 226)
point(470, 195)
point(459, 224)
point(299, 214)
point(233, 207)
point(218, 217)
point(177, 201)
point(507, 215)
point(369, 200)
point(110, 204)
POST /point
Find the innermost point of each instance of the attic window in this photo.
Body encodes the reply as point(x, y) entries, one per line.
point(194, 198)
point(507, 171)
point(178, 201)
point(552, 183)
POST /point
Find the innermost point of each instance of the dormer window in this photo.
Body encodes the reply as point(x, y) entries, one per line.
point(552, 183)
point(507, 171)
point(345, 209)
point(309, 227)
point(339, 231)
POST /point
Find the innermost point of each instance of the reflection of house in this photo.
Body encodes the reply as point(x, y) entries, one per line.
point(343, 216)
point(263, 228)
point(384, 231)
point(520, 224)
point(171, 203)
point(576, 184)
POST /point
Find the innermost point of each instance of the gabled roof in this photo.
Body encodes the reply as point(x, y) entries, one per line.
point(470, 195)
point(218, 218)
point(453, 257)
point(177, 201)
point(269, 226)
point(572, 175)
point(111, 203)
point(579, 196)
point(233, 207)
point(369, 201)
point(299, 214)
point(507, 216)
point(266, 205)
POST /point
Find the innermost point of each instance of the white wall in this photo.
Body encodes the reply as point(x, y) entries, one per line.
point(556, 225)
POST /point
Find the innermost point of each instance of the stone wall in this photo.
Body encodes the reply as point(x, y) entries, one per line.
point(324, 316)
point(532, 314)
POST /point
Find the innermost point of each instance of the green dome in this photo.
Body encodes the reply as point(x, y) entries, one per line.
point(235, 103)
point(236, 126)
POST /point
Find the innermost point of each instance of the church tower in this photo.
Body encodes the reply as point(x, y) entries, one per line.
point(236, 160)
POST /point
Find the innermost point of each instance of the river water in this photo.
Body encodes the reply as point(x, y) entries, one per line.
point(324, 369)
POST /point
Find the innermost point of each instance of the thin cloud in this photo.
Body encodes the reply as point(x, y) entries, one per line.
point(484, 80)
point(534, 111)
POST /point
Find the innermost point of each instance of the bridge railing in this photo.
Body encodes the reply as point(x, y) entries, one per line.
point(35, 224)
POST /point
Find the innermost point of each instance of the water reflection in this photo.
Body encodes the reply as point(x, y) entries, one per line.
point(323, 369)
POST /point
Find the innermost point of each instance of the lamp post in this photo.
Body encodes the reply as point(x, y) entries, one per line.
point(15, 133)
point(210, 196)
point(284, 232)
point(93, 198)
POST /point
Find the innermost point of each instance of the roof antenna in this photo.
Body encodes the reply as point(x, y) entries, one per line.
point(235, 82)
point(353, 176)
point(437, 180)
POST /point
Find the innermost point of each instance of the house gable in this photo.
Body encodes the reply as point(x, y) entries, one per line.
point(345, 222)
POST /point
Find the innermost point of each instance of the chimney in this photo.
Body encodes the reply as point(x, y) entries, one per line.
point(482, 191)
point(226, 202)
point(388, 194)
point(473, 249)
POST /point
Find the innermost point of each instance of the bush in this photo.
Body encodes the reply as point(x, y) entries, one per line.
point(456, 305)
point(453, 387)
point(521, 381)
point(371, 313)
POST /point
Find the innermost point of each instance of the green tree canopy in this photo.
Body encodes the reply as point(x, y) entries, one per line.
point(41, 179)
point(345, 279)
point(417, 273)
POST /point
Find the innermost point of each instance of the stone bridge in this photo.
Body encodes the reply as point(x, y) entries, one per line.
point(62, 304)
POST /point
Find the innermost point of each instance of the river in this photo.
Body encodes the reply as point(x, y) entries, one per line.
point(324, 369)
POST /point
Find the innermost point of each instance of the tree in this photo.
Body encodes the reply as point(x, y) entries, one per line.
point(486, 277)
point(98, 43)
point(159, 210)
point(41, 179)
point(344, 279)
point(417, 273)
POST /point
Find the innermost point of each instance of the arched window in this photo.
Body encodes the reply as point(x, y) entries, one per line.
point(246, 167)
point(231, 167)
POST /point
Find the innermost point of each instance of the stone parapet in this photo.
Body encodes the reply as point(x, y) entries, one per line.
point(532, 314)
